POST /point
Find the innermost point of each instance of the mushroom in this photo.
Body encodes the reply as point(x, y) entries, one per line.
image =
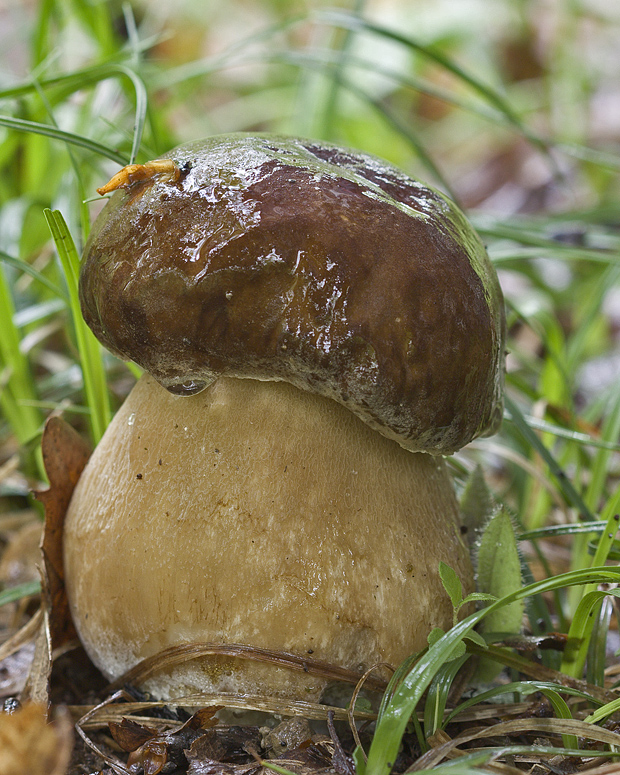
point(319, 330)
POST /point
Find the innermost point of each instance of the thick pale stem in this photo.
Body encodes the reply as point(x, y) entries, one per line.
point(260, 514)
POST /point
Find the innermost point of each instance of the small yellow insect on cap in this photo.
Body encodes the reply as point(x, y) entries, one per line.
point(133, 173)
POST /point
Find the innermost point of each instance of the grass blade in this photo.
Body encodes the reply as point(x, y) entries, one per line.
point(520, 687)
point(17, 385)
point(392, 724)
point(570, 493)
point(599, 469)
point(27, 589)
point(24, 266)
point(576, 436)
point(584, 619)
point(141, 108)
point(404, 129)
point(91, 363)
point(46, 130)
point(438, 693)
point(354, 22)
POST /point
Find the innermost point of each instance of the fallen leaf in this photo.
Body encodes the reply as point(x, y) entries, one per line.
point(231, 745)
point(203, 718)
point(151, 749)
point(152, 756)
point(341, 761)
point(130, 735)
point(65, 455)
point(232, 751)
point(37, 688)
point(199, 765)
point(311, 760)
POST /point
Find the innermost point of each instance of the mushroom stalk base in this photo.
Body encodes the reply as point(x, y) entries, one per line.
point(256, 513)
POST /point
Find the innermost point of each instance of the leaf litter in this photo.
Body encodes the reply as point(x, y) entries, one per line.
point(129, 733)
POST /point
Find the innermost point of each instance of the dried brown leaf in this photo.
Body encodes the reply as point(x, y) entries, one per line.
point(310, 760)
point(230, 745)
point(545, 726)
point(28, 744)
point(603, 769)
point(130, 735)
point(37, 685)
point(203, 718)
point(310, 710)
point(341, 761)
point(555, 641)
point(65, 455)
point(211, 767)
point(540, 672)
point(177, 655)
point(152, 756)
point(218, 752)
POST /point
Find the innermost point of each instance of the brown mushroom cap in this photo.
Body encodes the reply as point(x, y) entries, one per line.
point(260, 514)
point(283, 259)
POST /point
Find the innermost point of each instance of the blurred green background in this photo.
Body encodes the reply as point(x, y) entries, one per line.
point(510, 106)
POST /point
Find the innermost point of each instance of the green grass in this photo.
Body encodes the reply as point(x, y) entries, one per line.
point(442, 103)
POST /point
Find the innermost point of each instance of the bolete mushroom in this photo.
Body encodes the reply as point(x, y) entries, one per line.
point(342, 329)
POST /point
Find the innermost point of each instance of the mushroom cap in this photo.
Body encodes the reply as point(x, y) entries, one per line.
point(284, 259)
point(260, 514)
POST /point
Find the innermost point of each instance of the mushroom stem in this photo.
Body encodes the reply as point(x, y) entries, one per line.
point(256, 513)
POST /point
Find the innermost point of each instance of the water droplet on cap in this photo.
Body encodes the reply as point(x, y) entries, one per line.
point(189, 388)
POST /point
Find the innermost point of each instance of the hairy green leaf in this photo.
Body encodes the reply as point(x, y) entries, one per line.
point(499, 572)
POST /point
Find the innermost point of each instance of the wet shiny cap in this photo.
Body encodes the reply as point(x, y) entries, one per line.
point(277, 258)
